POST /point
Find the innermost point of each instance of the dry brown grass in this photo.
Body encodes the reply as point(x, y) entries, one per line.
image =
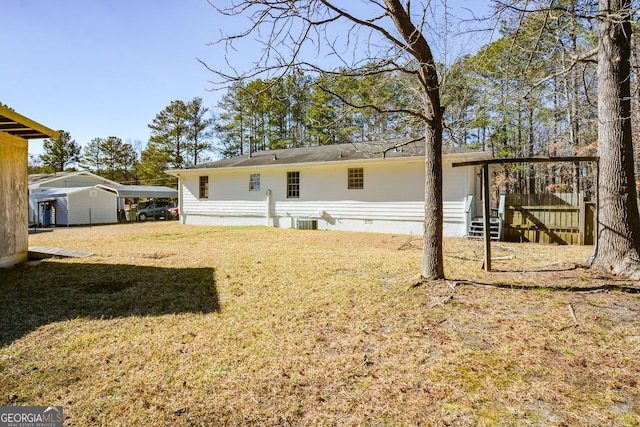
point(181, 325)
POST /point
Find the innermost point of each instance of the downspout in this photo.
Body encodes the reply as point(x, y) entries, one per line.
point(269, 212)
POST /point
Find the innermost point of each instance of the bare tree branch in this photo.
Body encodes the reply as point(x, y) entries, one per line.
point(373, 106)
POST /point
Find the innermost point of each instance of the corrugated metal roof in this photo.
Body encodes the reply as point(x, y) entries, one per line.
point(36, 178)
point(39, 178)
point(325, 153)
point(141, 191)
point(23, 127)
point(149, 191)
point(62, 192)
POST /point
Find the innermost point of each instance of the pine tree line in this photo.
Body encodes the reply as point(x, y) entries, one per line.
point(532, 92)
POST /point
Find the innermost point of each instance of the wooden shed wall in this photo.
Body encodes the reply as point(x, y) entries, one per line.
point(14, 232)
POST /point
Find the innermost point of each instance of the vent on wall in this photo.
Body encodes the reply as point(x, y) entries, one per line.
point(307, 224)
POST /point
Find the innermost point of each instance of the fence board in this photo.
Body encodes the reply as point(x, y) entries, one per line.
point(544, 218)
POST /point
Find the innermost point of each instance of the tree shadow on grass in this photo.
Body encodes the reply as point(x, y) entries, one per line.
point(32, 296)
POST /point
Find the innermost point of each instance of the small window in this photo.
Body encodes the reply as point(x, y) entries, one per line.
point(356, 178)
point(254, 182)
point(293, 185)
point(204, 187)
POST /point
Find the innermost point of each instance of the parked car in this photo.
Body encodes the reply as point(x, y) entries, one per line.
point(157, 209)
point(173, 212)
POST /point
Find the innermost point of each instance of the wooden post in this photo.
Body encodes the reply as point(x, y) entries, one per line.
point(486, 215)
point(582, 219)
point(596, 228)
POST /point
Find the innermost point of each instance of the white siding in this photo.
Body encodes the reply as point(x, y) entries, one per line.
point(81, 206)
point(62, 211)
point(392, 199)
point(87, 209)
point(79, 179)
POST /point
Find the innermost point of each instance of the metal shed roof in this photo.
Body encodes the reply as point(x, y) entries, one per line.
point(62, 192)
point(139, 191)
point(23, 127)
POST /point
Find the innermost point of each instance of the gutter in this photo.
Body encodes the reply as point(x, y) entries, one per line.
point(446, 159)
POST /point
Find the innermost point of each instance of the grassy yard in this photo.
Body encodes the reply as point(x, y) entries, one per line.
point(171, 325)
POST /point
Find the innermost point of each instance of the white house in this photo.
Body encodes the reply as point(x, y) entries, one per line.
point(357, 187)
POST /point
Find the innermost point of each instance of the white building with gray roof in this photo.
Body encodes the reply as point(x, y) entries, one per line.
point(356, 187)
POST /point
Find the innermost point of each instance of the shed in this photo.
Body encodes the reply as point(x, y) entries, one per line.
point(15, 131)
point(42, 186)
point(79, 205)
point(59, 180)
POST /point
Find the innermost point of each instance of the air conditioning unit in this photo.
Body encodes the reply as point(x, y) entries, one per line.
point(307, 224)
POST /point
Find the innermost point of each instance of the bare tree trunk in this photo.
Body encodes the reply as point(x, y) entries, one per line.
point(432, 255)
point(432, 258)
point(618, 225)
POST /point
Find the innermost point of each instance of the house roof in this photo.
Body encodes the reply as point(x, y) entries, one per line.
point(36, 180)
point(325, 153)
point(23, 127)
point(61, 192)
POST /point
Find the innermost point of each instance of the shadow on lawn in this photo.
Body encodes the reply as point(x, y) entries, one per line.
point(32, 296)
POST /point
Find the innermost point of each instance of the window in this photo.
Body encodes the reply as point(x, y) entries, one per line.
point(355, 179)
point(293, 185)
point(204, 187)
point(254, 182)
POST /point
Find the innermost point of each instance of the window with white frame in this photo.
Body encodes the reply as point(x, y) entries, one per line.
point(203, 192)
point(355, 178)
point(293, 185)
point(254, 182)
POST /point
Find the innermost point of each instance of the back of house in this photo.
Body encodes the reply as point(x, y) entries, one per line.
point(372, 187)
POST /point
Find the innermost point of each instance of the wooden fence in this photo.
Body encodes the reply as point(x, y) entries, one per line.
point(549, 218)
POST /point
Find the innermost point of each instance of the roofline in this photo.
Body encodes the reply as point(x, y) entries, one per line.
point(125, 189)
point(446, 157)
point(65, 191)
point(70, 174)
point(25, 121)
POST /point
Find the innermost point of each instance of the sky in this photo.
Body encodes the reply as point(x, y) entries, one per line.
point(99, 68)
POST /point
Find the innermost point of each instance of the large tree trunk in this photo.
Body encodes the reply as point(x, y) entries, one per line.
point(432, 259)
point(618, 225)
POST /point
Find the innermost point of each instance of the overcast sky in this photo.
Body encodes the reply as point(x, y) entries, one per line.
point(99, 68)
